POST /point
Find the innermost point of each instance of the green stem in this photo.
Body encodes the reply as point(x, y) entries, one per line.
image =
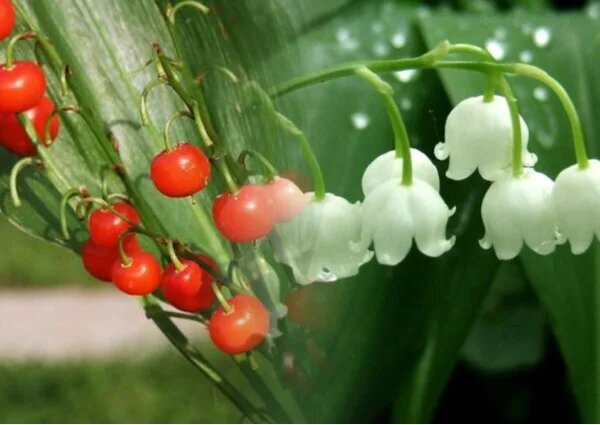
point(169, 124)
point(221, 298)
point(125, 259)
point(401, 140)
point(14, 173)
point(70, 194)
point(517, 160)
point(144, 99)
point(173, 256)
point(172, 12)
point(270, 170)
point(178, 315)
point(309, 154)
point(10, 49)
point(180, 342)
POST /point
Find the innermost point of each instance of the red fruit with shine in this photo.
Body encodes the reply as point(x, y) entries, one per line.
point(288, 199)
point(189, 289)
point(245, 216)
point(7, 18)
point(98, 261)
point(140, 277)
point(243, 328)
point(105, 226)
point(180, 171)
point(14, 137)
point(22, 86)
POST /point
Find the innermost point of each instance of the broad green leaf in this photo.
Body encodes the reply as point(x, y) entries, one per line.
point(567, 286)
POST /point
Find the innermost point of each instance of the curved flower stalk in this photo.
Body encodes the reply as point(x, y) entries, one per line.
point(389, 166)
point(394, 214)
point(322, 243)
point(576, 202)
point(479, 135)
point(517, 210)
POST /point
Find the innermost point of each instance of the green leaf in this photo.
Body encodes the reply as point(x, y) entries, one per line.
point(567, 286)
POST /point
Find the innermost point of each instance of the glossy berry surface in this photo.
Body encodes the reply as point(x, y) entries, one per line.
point(105, 226)
point(140, 277)
point(22, 86)
point(98, 260)
point(243, 328)
point(245, 216)
point(7, 18)
point(180, 171)
point(14, 137)
point(288, 199)
point(188, 289)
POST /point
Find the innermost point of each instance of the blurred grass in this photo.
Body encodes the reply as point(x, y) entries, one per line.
point(161, 388)
point(30, 262)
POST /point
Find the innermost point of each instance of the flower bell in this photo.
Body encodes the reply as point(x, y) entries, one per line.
point(388, 166)
point(394, 214)
point(576, 201)
point(479, 135)
point(517, 210)
point(321, 242)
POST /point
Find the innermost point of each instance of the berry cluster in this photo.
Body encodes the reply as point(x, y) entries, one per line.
point(22, 91)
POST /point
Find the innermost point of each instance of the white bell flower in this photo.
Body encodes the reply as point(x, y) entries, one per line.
point(517, 210)
point(576, 201)
point(479, 135)
point(394, 214)
point(321, 244)
point(387, 167)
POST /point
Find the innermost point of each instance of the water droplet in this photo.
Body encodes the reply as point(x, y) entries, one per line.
point(593, 10)
point(406, 76)
point(398, 40)
point(342, 34)
point(500, 33)
point(360, 120)
point(526, 56)
point(376, 27)
point(540, 93)
point(495, 48)
point(381, 49)
point(325, 275)
point(541, 36)
point(406, 103)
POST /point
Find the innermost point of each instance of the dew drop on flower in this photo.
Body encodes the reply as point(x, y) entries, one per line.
point(406, 76)
point(526, 56)
point(406, 103)
point(540, 93)
point(500, 33)
point(398, 40)
point(495, 48)
point(325, 275)
point(381, 49)
point(541, 36)
point(376, 27)
point(360, 120)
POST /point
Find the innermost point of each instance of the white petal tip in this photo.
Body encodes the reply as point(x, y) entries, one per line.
point(529, 159)
point(452, 212)
point(485, 243)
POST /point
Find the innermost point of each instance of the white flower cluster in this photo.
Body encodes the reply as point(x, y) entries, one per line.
point(331, 238)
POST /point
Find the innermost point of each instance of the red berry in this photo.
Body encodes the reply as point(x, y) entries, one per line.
point(189, 289)
point(21, 86)
point(288, 199)
point(245, 216)
point(105, 226)
point(14, 137)
point(98, 261)
point(7, 18)
point(243, 328)
point(180, 171)
point(140, 277)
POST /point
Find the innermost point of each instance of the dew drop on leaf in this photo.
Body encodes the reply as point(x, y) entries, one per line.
point(540, 93)
point(360, 120)
point(542, 36)
point(526, 56)
point(495, 48)
point(406, 76)
point(381, 49)
point(398, 40)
